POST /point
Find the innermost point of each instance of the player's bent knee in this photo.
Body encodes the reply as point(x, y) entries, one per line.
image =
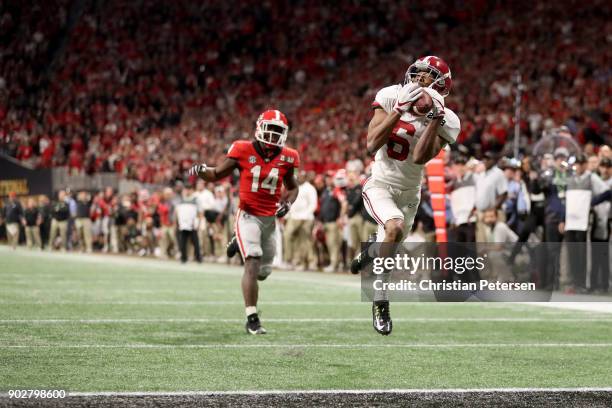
point(252, 265)
point(264, 272)
point(394, 229)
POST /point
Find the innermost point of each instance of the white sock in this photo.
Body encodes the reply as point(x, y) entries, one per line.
point(250, 310)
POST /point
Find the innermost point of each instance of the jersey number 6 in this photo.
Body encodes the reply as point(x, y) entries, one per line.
point(398, 147)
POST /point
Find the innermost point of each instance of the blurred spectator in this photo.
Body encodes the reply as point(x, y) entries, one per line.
point(517, 204)
point(463, 201)
point(497, 233)
point(535, 218)
point(83, 224)
point(12, 218)
point(491, 190)
point(100, 212)
point(331, 214)
point(354, 203)
point(581, 187)
point(44, 210)
point(600, 255)
point(32, 221)
point(298, 248)
point(206, 202)
point(166, 212)
point(218, 218)
point(71, 237)
point(552, 182)
point(187, 223)
point(60, 214)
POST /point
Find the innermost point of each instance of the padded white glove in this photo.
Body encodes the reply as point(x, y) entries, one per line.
point(406, 96)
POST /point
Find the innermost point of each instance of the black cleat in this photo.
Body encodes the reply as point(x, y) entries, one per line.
point(253, 325)
point(232, 247)
point(381, 319)
point(363, 259)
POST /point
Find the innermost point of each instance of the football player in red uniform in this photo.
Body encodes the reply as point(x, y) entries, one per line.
point(263, 164)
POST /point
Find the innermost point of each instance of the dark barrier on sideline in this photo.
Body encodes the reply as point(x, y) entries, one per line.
point(23, 180)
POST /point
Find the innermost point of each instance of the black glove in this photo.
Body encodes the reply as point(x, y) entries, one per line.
point(283, 209)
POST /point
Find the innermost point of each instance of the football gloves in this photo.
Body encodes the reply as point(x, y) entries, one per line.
point(196, 169)
point(437, 110)
point(406, 96)
point(283, 209)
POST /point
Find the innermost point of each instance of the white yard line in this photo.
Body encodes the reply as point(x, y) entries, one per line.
point(305, 345)
point(306, 320)
point(188, 302)
point(174, 267)
point(328, 391)
point(600, 307)
point(373, 391)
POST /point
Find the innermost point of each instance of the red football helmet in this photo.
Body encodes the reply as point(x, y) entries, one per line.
point(434, 66)
point(272, 128)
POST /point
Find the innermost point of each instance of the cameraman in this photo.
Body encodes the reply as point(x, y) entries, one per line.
point(537, 203)
point(552, 182)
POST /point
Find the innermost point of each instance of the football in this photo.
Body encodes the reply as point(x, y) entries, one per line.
point(422, 105)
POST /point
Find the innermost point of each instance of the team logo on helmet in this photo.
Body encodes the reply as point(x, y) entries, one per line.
point(435, 69)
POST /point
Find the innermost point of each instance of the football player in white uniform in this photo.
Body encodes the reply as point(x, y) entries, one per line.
point(403, 140)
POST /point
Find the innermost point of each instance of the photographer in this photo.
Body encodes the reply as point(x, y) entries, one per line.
point(552, 182)
point(537, 205)
point(581, 187)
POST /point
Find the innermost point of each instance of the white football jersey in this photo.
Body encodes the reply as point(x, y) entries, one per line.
point(393, 163)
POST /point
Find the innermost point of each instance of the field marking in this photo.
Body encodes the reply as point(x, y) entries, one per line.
point(328, 391)
point(146, 264)
point(305, 320)
point(187, 302)
point(598, 307)
point(264, 302)
point(365, 391)
point(312, 345)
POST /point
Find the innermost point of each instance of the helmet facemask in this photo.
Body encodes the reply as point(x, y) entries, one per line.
point(426, 76)
point(272, 132)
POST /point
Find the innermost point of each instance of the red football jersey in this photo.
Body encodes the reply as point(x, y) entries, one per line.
point(261, 179)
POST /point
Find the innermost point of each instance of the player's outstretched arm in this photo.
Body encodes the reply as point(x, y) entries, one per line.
point(380, 128)
point(214, 173)
point(429, 144)
point(382, 124)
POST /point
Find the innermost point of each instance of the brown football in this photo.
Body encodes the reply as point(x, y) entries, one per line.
point(422, 105)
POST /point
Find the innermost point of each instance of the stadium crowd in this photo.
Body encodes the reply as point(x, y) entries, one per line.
point(147, 88)
point(496, 201)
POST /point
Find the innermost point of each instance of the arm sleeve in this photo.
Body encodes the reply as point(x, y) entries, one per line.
point(451, 127)
point(598, 184)
point(385, 98)
point(598, 199)
point(313, 200)
point(234, 151)
point(502, 185)
point(296, 162)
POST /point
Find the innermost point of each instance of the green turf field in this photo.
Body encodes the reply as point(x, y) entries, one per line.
point(107, 323)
